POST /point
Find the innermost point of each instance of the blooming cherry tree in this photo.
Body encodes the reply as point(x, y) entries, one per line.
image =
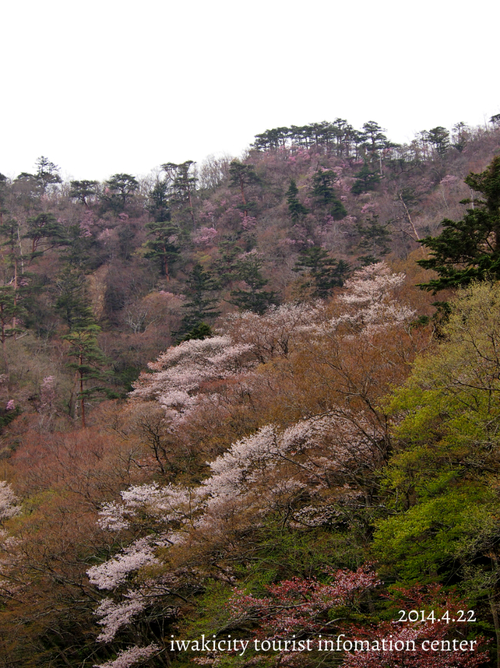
point(185, 371)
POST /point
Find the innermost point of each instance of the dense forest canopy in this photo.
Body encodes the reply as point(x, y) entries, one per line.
point(228, 410)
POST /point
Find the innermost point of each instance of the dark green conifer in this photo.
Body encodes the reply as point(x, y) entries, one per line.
point(325, 195)
point(366, 180)
point(200, 289)
point(254, 298)
point(295, 207)
point(324, 272)
point(469, 249)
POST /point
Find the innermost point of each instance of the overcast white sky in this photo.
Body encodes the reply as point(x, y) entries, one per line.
point(111, 86)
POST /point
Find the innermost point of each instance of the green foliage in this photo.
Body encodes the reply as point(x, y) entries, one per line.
point(281, 552)
point(243, 176)
point(182, 182)
point(83, 190)
point(180, 187)
point(118, 191)
point(323, 190)
point(163, 247)
point(72, 304)
point(7, 416)
point(469, 249)
point(366, 180)
point(438, 537)
point(325, 272)
point(10, 309)
point(158, 204)
point(375, 238)
point(201, 285)
point(81, 251)
point(443, 478)
point(225, 266)
point(200, 332)
point(325, 195)
point(47, 173)
point(45, 233)
point(255, 298)
point(89, 363)
point(295, 208)
point(439, 139)
point(374, 139)
point(338, 210)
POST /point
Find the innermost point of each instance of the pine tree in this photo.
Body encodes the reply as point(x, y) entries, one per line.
point(181, 185)
point(119, 190)
point(295, 207)
point(366, 180)
point(324, 271)
point(45, 233)
point(10, 311)
point(439, 138)
point(374, 139)
point(325, 195)
point(201, 305)
point(83, 190)
point(469, 249)
point(241, 176)
point(89, 362)
point(72, 305)
point(225, 266)
point(47, 173)
point(255, 298)
point(158, 204)
point(375, 239)
point(163, 247)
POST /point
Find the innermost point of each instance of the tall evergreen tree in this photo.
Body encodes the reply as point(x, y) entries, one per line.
point(200, 308)
point(242, 176)
point(366, 180)
point(163, 246)
point(469, 249)
point(45, 233)
point(83, 190)
point(47, 173)
point(181, 186)
point(73, 305)
point(158, 204)
point(89, 363)
point(254, 298)
point(225, 266)
point(295, 208)
point(119, 190)
point(374, 139)
point(324, 272)
point(324, 194)
point(439, 139)
point(375, 239)
point(10, 311)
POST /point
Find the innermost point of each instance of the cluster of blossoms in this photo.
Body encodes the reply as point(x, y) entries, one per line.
point(182, 372)
point(113, 572)
point(371, 292)
point(298, 606)
point(130, 656)
point(277, 332)
point(315, 457)
point(204, 236)
point(8, 507)
point(254, 473)
point(47, 393)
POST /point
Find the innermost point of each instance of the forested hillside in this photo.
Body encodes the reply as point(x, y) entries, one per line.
point(233, 407)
